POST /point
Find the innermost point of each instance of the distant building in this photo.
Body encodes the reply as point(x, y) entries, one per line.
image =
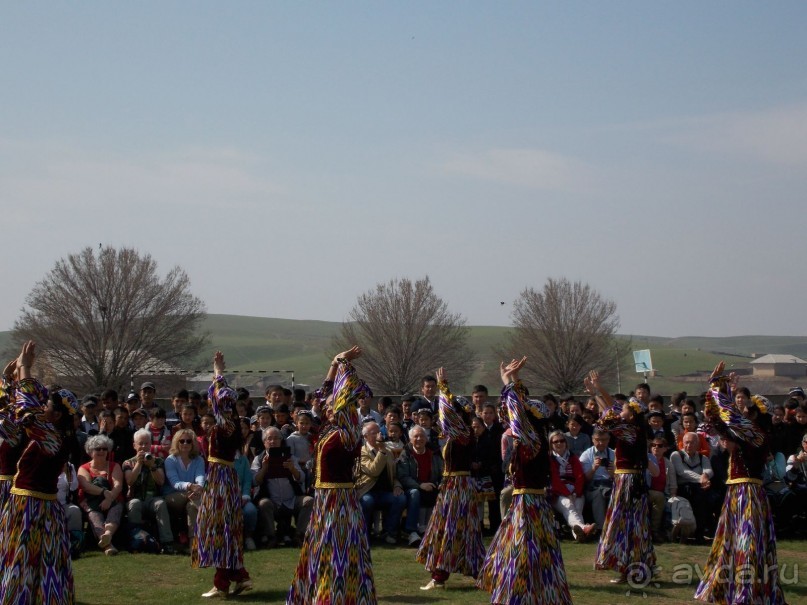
point(779, 365)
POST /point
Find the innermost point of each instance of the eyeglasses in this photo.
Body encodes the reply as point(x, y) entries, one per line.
point(100, 449)
point(657, 445)
point(185, 441)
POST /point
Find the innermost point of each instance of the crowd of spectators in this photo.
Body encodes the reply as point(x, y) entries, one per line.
point(137, 480)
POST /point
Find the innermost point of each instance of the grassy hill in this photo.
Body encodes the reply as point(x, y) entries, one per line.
point(267, 345)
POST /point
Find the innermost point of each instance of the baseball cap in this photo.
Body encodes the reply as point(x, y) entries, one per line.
point(148, 385)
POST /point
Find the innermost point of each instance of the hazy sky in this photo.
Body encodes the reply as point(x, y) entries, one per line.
point(290, 155)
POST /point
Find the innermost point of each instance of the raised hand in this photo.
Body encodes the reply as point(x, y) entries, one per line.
point(440, 374)
point(10, 368)
point(27, 355)
point(218, 363)
point(717, 371)
point(351, 354)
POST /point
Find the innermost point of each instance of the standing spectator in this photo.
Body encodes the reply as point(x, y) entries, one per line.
point(491, 447)
point(89, 421)
point(187, 420)
point(178, 401)
point(576, 439)
point(409, 419)
point(479, 397)
point(148, 394)
point(426, 420)
point(366, 410)
point(428, 395)
point(301, 442)
point(122, 436)
point(661, 487)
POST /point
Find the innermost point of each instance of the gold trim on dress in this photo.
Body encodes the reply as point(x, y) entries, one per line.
point(322, 485)
point(6, 477)
point(220, 461)
point(457, 474)
point(744, 480)
point(38, 495)
point(529, 490)
point(627, 471)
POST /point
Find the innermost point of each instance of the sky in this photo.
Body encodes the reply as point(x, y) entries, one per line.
point(289, 156)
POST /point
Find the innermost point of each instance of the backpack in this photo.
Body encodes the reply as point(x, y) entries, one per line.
point(683, 519)
point(142, 541)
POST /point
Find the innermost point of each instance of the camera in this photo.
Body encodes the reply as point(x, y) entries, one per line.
point(148, 457)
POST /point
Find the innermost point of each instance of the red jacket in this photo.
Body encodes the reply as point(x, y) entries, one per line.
point(558, 485)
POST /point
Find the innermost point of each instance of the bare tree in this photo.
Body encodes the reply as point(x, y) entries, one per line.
point(100, 318)
point(406, 331)
point(566, 330)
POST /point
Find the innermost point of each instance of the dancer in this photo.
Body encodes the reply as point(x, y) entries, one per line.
point(36, 566)
point(742, 566)
point(335, 566)
point(219, 535)
point(14, 440)
point(524, 565)
point(625, 543)
point(453, 538)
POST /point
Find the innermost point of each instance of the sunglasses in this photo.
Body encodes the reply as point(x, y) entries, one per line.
point(554, 441)
point(100, 449)
point(186, 441)
point(657, 445)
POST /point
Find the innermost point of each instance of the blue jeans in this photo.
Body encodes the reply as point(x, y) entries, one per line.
point(412, 510)
point(250, 518)
point(391, 504)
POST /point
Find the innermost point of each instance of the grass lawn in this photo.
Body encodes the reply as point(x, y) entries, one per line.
point(147, 579)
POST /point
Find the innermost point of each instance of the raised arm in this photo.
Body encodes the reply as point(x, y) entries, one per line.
point(595, 389)
point(449, 419)
point(346, 389)
point(515, 400)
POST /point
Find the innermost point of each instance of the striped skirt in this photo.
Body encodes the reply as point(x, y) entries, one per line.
point(219, 536)
point(524, 565)
point(35, 553)
point(625, 544)
point(453, 538)
point(742, 566)
point(335, 567)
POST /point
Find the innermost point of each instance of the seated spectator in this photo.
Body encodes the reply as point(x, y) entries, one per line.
point(250, 511)
point(145, 476)
point(301, 442)
point(797, 430)
point(377, 484)
point(568, 481)
point(598, 467)
point(689, 424)
point(160, 433)
point(661, 487)
point(184, 481)
point(277, 474)
point(693, 472)
point(100, 486)
point(796, 474)
point(784, 503)
point(67, 495)
point(577, 440)
point(122, 435)
point(246, 438)
point(420, 471)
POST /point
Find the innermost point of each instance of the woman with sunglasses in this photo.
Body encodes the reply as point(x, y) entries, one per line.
point(524, 565)
point(100, 483)
point(35, 564)
point(568, 482)
point(184, 479)
point(219, 540)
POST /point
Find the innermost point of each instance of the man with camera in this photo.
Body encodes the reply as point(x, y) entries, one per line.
point(598, 467)
point(145, 476)
point(277, 474)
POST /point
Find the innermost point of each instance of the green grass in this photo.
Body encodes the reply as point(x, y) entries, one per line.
point(145, 579)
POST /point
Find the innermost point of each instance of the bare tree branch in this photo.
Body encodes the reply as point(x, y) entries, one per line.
point(566, 329)
point(406, 331)
point(103, 317)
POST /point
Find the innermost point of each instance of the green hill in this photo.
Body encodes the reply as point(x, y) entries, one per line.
point(267, 345)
